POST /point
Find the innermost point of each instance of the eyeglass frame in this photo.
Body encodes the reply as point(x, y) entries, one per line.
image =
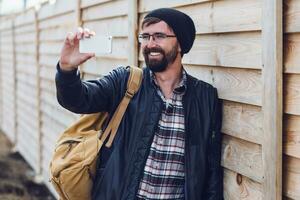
point(154, 37)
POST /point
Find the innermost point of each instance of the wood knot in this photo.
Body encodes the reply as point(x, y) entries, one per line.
point(239, 179)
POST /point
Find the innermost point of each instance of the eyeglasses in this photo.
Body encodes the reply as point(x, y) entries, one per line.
point(157, 37)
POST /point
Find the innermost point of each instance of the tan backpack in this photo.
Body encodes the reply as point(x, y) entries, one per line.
point(73, 165)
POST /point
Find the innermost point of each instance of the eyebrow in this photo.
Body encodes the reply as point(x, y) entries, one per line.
point(154, 33)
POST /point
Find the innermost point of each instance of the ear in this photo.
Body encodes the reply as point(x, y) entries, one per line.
point(179, 48)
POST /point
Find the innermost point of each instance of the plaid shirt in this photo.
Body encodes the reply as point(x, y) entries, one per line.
point(164, 174)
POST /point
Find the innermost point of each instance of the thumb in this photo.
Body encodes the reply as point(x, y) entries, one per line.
point(86, 56)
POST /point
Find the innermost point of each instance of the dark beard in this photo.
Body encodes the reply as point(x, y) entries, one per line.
point(160, 65)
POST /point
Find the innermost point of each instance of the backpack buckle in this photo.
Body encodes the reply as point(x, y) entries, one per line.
point(128, 94)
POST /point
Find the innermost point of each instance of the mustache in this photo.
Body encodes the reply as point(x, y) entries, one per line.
point(154, 49)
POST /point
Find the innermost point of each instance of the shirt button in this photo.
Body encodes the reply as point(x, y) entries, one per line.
point(151, 189)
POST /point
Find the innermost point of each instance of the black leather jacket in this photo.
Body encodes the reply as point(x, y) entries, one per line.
point(120, 168)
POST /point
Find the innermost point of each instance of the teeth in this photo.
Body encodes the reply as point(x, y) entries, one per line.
point(154, 53)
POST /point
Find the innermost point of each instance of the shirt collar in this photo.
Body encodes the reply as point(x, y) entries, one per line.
point(179, 89)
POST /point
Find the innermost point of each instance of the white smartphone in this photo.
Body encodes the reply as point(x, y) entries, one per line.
point(97, 44)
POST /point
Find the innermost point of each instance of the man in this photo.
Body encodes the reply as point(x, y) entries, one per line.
point(168, 144)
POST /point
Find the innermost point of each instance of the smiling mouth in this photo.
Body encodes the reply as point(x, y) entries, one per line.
point(154, 54)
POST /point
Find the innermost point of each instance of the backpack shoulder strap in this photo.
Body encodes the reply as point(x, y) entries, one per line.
point(133, 85)
point(134, 80)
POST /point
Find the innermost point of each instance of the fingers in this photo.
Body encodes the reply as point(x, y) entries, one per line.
point(70, 38)
point(85, 56)
point(84, 33)
point(73, 38)
point(79, 33)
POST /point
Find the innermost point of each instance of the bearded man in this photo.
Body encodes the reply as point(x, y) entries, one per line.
point(168, 145)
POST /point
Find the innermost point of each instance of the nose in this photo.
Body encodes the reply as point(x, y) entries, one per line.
point(151, 42)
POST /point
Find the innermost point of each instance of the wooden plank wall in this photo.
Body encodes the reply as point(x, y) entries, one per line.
point(228, 54)
point(291, 133)
point(27, 88)
point(8, 77)
point(54, 22)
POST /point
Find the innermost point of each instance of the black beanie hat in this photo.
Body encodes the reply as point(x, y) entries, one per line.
point(182, 25)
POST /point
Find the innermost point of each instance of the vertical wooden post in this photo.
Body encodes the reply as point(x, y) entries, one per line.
point(1, 87)
point(14, 63)
point(78, 13)
point(132, 32)
point(38, 88)
point(272, 34)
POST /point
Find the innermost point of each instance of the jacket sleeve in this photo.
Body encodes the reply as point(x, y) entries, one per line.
point(214, 189)
point(89, 96)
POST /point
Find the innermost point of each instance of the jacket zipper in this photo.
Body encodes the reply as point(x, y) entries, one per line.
point(185, 153)
point(70, 145)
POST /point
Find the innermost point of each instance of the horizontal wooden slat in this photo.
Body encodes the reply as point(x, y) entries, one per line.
point(7, 40)
point(291, 136)
point(233, 84)
point(59, 8)
point(51, 127)
point(8, 89)
point(117, 26)
point(29, 133)
point(292, 94)
point(242, 50)
point(88, 3)
point(66, 21)
point(237, 187)
point(28, 101)
point(62, 115)
point(291, 53)
point(291, 15)
point(212, 17)
point(25, 29)
point(26, 17)
point(6, 23)
point(50, 60)
point(57, 35)
point(147, 5)
point(27, 106)
point(7, 48)
point(6, 56)
point(26, 48)
point(50, 48)
point(47, 85)
point(29, 37)
point(243, 121)
point(28, 117)
point(50, 132)
point(29, 154)
point(242, 157)
point(291, 177)
point(101, 66)
point(6, 63)
point(50, 99)
point(48, 73)
point(26, 59)
point(28, 79)
point(106, 10)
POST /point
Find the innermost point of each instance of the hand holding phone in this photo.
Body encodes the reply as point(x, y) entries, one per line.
point(82, 45)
